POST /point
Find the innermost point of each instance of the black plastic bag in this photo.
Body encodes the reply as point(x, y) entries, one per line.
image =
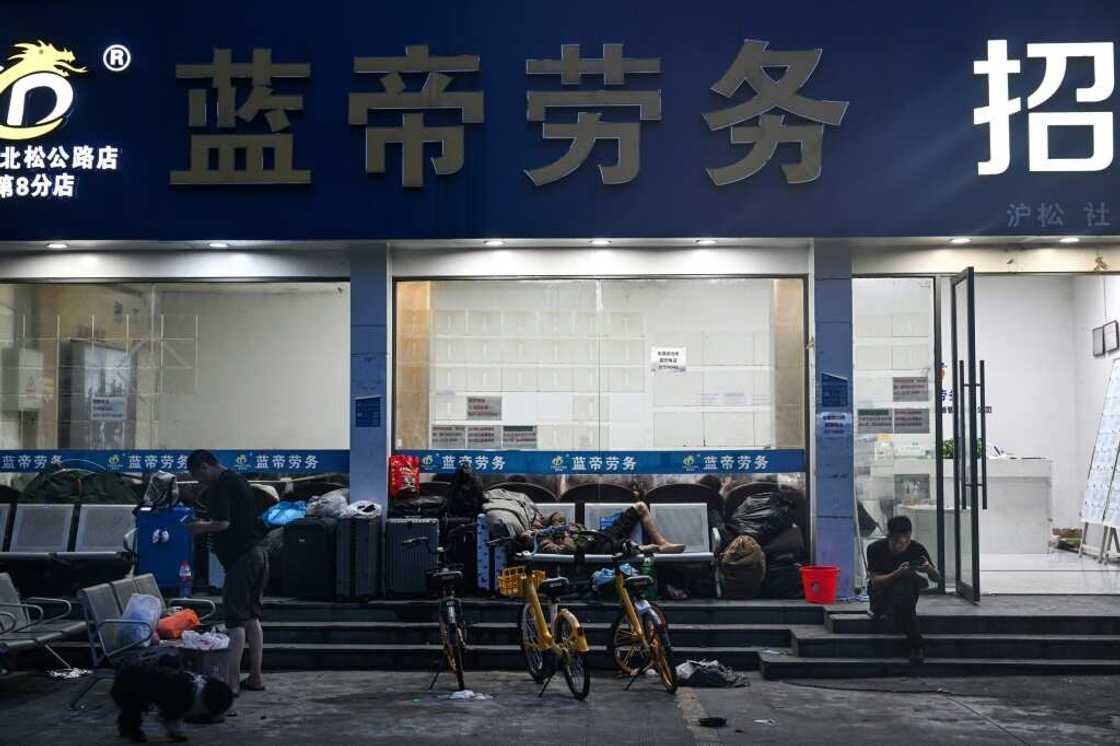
point(762, 517)
point(465, 494)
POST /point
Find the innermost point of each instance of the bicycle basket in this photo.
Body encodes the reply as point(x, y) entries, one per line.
point(512, 581)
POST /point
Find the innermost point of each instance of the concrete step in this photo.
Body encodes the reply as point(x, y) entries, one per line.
point(818, 644)
point(493, 633)
point(280, 656)
point(794, 667)
point(507, 610)
point(945, 624)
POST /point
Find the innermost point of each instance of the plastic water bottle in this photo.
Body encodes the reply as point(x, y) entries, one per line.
point(186, 579)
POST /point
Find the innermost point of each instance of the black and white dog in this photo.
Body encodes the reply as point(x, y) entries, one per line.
point(173, 692)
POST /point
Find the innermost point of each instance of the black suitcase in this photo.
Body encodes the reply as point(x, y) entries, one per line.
point(309, 558)
point(359, 558)
point(405, 566)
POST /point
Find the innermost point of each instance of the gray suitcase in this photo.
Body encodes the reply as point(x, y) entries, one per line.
point(405, 566)
point(358, 546)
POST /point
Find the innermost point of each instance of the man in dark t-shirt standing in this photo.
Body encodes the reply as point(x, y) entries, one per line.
point(237, 532)
point(893, 564)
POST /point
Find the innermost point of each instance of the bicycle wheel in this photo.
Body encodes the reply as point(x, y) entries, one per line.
point(625, 647)
point(536, 661)
point(572, 663)
point(661, 652)
point(453, 649)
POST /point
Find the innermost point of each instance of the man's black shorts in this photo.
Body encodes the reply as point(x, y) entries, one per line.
point(245, 582)
point(619, 531)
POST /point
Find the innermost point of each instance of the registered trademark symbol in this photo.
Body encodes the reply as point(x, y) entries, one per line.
point(116, 58)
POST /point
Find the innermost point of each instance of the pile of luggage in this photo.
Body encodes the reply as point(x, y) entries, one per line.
point(764, 545)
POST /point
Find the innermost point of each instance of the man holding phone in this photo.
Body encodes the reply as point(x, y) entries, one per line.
point(237, 532)
point(894, 564)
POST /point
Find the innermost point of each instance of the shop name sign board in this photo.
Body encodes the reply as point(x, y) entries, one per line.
point(613, 462)
point(626, 119)
point(255, 462)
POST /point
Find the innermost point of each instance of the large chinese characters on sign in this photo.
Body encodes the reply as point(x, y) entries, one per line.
point(614, 111)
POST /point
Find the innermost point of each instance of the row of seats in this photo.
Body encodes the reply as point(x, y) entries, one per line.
point(38, 531)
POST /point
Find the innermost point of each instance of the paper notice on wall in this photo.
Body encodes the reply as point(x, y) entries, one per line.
point(834, 425)
point(911, 421)
point(519, 437)
point(448, 437)
point(911, 388)
point(484, 437)
point(108, 408)
point(874, 420)
point(668, 358)
point(484, 407)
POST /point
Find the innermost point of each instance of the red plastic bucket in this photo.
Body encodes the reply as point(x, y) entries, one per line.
point(819, 582)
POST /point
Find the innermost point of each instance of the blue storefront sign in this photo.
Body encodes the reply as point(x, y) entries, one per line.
point(614, 463)
point(293, 463)
point(377, 120)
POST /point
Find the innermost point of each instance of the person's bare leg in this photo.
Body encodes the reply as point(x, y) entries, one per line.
point(236, 650)
point(254, 635)
point(658, 541)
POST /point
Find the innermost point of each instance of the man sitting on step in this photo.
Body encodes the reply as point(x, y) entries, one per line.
point(894, 564)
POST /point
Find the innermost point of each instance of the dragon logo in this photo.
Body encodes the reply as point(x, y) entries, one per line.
point(37, 65)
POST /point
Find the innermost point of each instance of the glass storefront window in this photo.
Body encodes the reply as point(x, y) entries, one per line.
point(174, 366)
point(895, 442)
point(600, 364)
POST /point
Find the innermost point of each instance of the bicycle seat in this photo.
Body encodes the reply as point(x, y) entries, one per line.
point(446, 576)
point(639, 582)
point(553, 586)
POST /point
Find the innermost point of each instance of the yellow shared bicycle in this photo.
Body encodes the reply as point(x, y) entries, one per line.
point(639, 638)
point(548, 640)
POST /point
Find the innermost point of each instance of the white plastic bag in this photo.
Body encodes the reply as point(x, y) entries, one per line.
point(142, 608)
point(205, 641)
point(330, 505)
point(361, 509)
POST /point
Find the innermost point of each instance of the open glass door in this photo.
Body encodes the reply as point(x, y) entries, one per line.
point(969, 462)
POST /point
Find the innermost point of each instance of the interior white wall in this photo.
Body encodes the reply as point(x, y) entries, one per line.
point(273, 371)
point(1025, 331)
point(571, 357)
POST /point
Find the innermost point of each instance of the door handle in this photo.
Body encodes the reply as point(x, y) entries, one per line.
point(983, 440)
point(961, 446)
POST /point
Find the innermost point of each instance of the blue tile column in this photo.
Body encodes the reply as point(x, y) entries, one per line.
point(369, 373)
point(833, 473)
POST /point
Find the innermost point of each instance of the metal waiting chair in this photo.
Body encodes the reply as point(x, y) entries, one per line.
point(103, 606)
point(38, 531)
point(146, 584)
point(25, 624)
point(534, 492)
point(5, 513)
point(102, 530)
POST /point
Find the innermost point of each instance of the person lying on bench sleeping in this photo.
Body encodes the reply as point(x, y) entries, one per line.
point(618, 532)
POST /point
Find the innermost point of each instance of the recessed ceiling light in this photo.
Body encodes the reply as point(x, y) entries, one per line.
point(494, 242)
point(1069, 239)
point(218, 245)
point(960, 239)
point(705, 242)
point(57, 245)
point(600, 242)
